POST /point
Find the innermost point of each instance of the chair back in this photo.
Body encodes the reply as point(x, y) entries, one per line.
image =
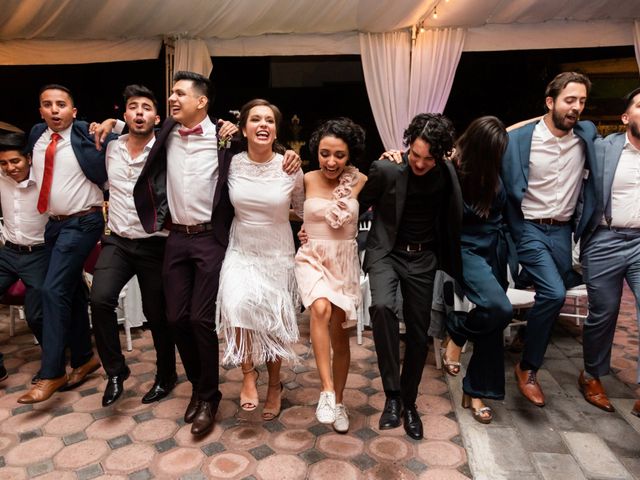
point(15, 294)
point(90, 262)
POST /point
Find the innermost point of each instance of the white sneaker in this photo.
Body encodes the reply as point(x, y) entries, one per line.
point(341, 424)
point(326, 410)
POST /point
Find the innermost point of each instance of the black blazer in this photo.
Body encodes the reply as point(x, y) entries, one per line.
point(386, 192)
point(150, 191)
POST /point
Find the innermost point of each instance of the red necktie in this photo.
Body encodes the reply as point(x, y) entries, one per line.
point(197, 130)
point(47, 177)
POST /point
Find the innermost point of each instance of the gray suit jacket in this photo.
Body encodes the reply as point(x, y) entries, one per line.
point(603, 169)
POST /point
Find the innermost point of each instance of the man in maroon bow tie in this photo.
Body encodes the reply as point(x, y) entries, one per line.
point(183, 186)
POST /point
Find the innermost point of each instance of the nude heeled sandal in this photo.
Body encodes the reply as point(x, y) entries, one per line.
point(449, 366)
point(269, 414)
point(249, 404)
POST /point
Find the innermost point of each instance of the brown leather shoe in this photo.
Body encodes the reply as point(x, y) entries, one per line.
point(43, 389)
point(529, 386)
point(79, 374)
point(192, 408)
point(593, 392)
point(203, 421)
point(636, 409)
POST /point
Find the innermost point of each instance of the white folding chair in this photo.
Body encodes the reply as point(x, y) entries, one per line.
point(363, 309)
point(579, 311)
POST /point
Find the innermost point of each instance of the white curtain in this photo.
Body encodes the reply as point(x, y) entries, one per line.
point(434, 60)
point(386, 64)
point(192, 55)
point(636, 40)
point(401, 84)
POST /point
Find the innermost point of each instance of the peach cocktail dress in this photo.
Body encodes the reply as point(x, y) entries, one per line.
point(327, 265)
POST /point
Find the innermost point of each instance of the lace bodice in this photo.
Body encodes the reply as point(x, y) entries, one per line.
point(262, 193)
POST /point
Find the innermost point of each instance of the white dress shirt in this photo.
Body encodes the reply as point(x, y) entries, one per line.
point(192, 174)
point(625, 190)
point(556, 169)
point(23, 225)
point(71, 190)
point(123, 172)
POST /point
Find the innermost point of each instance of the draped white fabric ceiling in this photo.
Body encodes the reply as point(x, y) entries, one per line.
point(125, 29)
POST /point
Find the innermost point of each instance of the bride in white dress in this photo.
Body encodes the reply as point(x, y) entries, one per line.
point(258, 297)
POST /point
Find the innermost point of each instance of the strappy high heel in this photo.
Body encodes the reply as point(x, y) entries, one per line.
point(269, 414)
point(449, 366)
point(247, 403)
point(479, 414)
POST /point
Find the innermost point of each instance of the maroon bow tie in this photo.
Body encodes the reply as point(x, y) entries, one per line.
point(197, 130)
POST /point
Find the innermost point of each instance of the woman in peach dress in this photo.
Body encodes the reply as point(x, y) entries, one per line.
point(327, 267)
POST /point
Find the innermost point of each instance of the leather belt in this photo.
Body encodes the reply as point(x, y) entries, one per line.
point(191, 229)
point(60, 218)
point(24, 248)
point(547, 221)
point(413, 247)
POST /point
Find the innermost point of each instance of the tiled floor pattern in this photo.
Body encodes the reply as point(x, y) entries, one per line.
point(568, 438)
point(71, 436)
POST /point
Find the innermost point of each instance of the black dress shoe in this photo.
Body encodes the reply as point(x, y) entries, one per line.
point(412, 422)
point(203, 421)
point(192, 408)
point(390, 417)
point(160, 389)
point(115, 387)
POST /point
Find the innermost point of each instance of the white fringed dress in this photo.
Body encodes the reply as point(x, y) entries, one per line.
point(258, 292)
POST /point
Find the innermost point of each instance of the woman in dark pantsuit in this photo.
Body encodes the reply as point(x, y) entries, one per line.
point(484, 261)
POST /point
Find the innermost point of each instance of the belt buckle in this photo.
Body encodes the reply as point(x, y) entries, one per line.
point(188, 229)
point(28, 248)
point(414, 250)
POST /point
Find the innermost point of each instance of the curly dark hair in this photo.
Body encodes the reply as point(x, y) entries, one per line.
point(435, 129)
point(346, 130)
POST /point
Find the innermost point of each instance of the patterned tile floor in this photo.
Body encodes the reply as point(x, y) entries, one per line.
point(72, 436)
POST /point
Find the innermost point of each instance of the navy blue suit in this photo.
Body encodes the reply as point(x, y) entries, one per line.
point(69, 242)
point(544, 251)
point(609, 256)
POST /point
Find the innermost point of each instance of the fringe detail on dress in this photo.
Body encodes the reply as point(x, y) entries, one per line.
point(258, 297)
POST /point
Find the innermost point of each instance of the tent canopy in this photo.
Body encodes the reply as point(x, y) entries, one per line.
point(81, 31)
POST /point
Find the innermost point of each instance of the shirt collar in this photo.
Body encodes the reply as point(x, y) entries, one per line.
point(65, 134)
point(628, 145)
point(207, 125)
point(27, 182)
point(122, 140)
point(545, 134)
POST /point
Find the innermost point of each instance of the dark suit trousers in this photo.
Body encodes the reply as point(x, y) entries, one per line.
point(64, 294)
point(121, 259)
point(415, 273)
point(191, 275)
point(544, 251)
point(31, 268)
